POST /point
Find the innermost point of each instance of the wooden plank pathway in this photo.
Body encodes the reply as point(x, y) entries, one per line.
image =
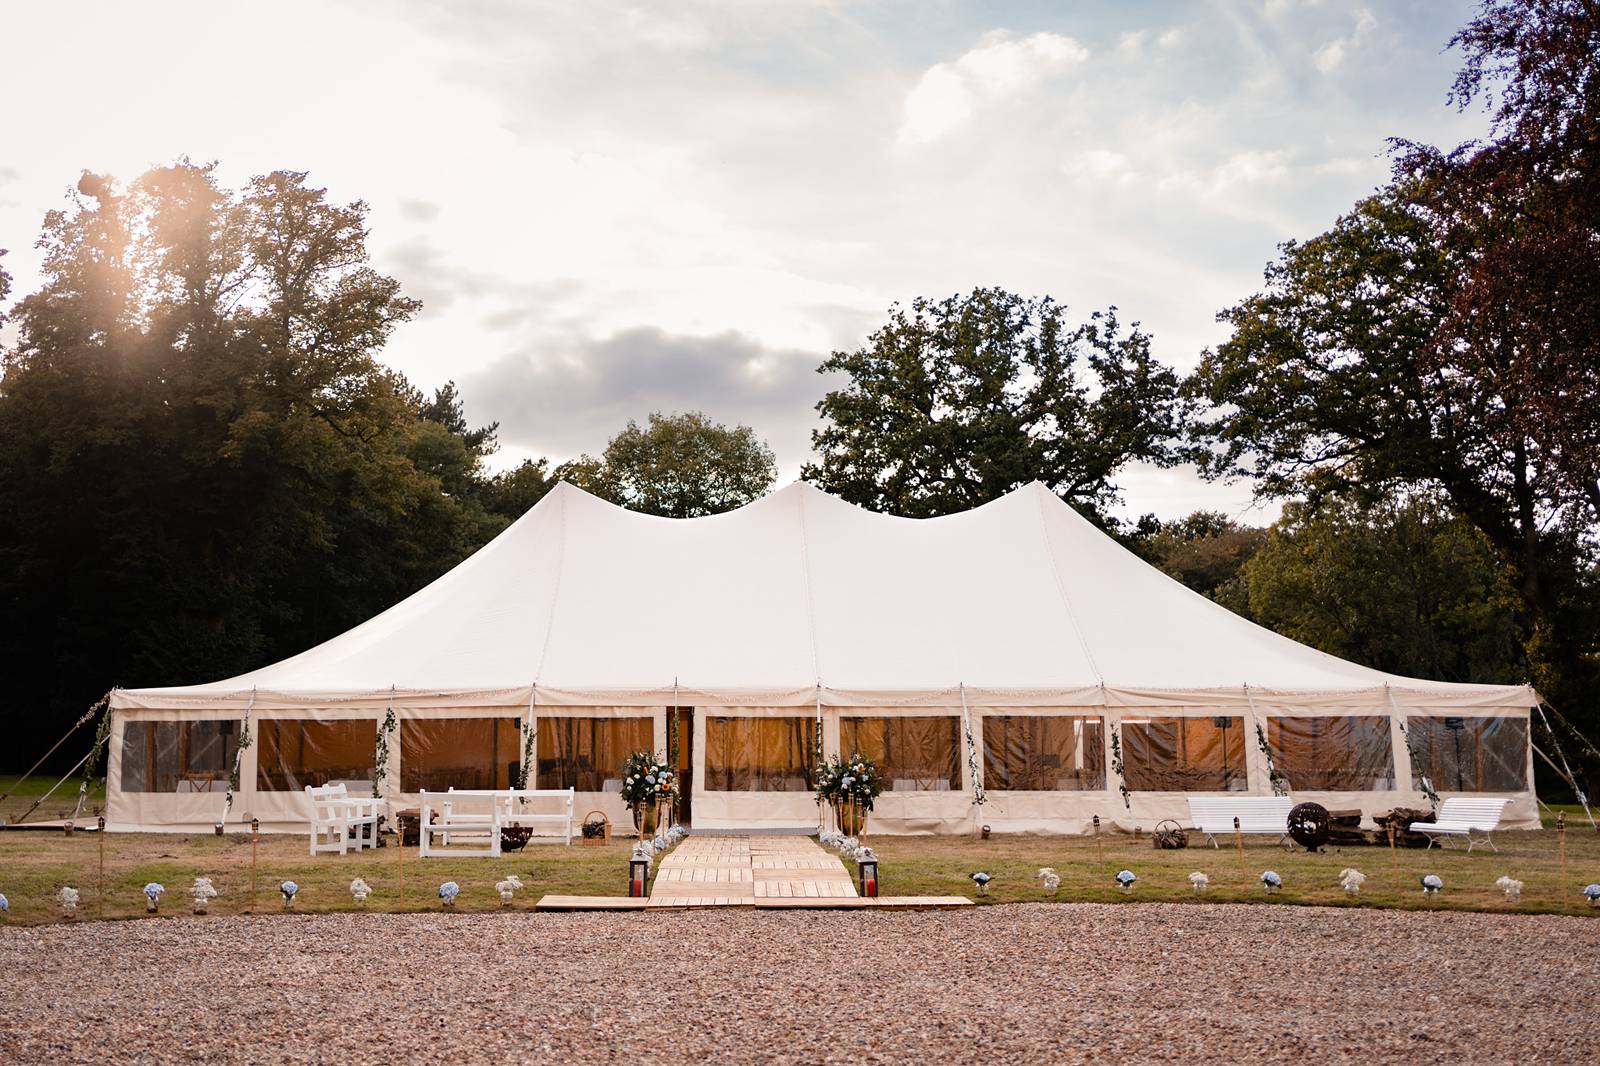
point(749, 871)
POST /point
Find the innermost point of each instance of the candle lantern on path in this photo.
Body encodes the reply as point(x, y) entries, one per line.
point(638, 872)
point(867, 867)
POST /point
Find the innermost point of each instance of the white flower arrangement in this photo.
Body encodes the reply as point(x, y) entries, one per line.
point(152, 895)
point(448, 893)
point(1051, 879)
point(1351, 880)
point(1200, 881)
point(360, 890)
point(1592, 894)
point(67, 896)
point(289, 890)
point(203, 892)
point(1510, 886)
point(508, 888)
point(1125, 880)
point(1271, 881)
point(982, 879)
point(1432, 884)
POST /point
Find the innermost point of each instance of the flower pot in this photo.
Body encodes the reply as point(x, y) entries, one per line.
point(852, 818)
point(646, 816)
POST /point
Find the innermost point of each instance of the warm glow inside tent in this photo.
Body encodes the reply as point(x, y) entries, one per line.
point(1013, 652)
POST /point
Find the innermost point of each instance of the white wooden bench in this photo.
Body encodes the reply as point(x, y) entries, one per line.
point(1214, 815)
point(340, 821)
point(1461, 816)
point(476, 816)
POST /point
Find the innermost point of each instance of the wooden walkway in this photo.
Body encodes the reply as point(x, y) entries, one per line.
point(749, 871)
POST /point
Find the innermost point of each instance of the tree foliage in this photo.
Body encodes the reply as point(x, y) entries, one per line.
point(202, 464)
point(955, 402)
point(678, 466)
point(1521, 213)
point(1403, 585)
point(1206, 551)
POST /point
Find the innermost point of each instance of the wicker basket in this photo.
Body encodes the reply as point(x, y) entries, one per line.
point(596, 828)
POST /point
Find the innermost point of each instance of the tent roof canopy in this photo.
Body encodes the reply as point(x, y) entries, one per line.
point(800, 596)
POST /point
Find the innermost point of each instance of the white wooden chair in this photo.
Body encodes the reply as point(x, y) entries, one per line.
point(1462, 816)
point(476, 831)
point(340, 821)
point(1214, 815)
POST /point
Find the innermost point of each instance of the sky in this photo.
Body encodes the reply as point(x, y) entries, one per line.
point(613, 209)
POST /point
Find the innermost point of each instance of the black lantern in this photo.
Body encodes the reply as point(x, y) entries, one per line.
point(638, 872)
point(867, 868)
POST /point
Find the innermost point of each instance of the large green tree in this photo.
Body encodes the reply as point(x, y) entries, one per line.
point(1403, 585)
point(678, 466)
point(1326, 386)
point(1205, 550)
point(955, 402)
point(202, 464)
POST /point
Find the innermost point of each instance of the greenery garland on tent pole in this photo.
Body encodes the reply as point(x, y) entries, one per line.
point(819, 764)
point(979, 797)
point(1279, 783)
point(380, 757)
point(238, 758)
point(1115, 732)
point(1411, 750)
point(102, 738)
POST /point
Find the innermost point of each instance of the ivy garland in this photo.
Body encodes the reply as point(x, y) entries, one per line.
point(102, 738)
point(528, 733)
point(238, 759)
point(1280, 784)
point(1411, 751)
point(380, 756)
point(1116, 766)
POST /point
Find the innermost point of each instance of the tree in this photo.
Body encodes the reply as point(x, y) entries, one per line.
point(202, 464)
point(955, 402)
point(1403, 585)
point(1327, 387)
point(1206, 551)
point(678, 466)
point(1521, 213)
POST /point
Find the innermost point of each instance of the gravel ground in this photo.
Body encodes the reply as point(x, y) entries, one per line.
point(1152, 982)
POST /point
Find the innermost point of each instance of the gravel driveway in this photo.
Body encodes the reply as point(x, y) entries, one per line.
point(1053, 983)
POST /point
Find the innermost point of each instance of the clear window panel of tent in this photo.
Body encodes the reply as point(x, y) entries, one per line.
point(1334, 753)
point(1202, 754)
point(178, 756)
point(587, 753)
point(1460, 754)
point(1043, 753)
point(760, 754)
point(438, 754)
point(295, 752)
point(918, 753)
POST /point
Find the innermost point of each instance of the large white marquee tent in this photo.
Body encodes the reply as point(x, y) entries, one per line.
point(1013, 653)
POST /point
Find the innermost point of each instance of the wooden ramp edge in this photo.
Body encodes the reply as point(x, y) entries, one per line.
point(659, 903)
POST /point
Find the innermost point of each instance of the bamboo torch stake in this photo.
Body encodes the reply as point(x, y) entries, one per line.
point(1394, 856)
point(255, 836)
point(1099, 847)
point(1561, 841)
point(100, 885)
point(1238, 840)
point(400, 857)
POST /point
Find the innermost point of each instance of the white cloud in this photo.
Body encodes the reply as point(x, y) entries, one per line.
point(1002, 65)
point(1331, 56)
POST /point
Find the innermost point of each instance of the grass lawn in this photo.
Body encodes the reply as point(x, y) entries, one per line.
point(33, 865)
point(20, 798)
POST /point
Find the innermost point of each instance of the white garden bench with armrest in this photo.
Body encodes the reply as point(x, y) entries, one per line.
point(478, 815)
point(1214, 815)
point(340, 821)
point(1461, 816)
